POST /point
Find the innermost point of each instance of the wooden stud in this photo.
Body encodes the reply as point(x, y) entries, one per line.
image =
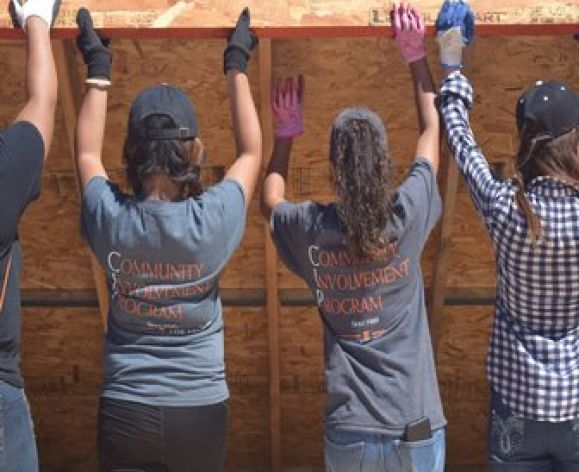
point(272, 297)
point(443, 246)
point(70, 98)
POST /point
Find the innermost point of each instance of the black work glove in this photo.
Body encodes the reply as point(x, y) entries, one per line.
point(94, 50)
point(240, 44)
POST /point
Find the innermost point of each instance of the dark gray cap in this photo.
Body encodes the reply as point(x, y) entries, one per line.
point(163, 100)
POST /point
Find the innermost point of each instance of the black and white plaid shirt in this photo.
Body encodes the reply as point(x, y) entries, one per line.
point(533, 361)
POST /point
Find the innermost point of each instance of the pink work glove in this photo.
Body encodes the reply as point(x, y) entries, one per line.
point(287, 102)
point(408, 32)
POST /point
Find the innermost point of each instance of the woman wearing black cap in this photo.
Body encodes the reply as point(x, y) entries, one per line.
point(533, 222)
point(164, 397)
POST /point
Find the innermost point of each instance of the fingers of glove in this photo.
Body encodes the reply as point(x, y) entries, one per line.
point(288, 93)
point(404, 18)
point(420, 23)
point(395, 18)
point(15, 10)
point(412, 20)
point(15, 5)
point(469, 27)
point(274, 97)
point(84, 20)
point(244, 19)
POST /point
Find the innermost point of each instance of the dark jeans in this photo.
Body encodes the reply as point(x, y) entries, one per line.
point(517, 444)
point(135, 437)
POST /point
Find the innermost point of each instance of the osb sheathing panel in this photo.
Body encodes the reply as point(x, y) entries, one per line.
point(62, 370)
point(463, 346)
point(295, 13)
point(338, 73)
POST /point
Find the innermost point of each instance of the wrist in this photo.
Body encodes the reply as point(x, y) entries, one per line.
point(235, 58)
point(36, 23)
point(414, 58)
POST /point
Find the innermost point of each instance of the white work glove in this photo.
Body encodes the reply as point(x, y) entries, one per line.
point(47, 10)
point(451, 44)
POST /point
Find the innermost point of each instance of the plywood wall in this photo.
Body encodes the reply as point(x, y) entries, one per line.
point(62, 346)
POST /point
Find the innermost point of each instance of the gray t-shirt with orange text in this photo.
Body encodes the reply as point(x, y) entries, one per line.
point(379, 366)
point(162, 262)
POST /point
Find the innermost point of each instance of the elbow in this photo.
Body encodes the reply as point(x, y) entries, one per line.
point(265, 204)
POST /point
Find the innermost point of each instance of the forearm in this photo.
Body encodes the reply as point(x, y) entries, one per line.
point(41, 82)
point(90, 134)
point(41, 70)
point(428, 145)
point(276, 176)
point(425, 95)
point(456, 97)
point(244, 115)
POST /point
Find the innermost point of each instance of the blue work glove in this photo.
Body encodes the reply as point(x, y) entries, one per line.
point(454, 30)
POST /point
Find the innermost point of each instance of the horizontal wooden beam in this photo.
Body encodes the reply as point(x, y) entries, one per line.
point(238, 297)
point(307, 32)
point(298, 18)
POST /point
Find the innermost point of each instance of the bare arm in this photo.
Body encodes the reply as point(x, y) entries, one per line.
point(247, 130)
point(275, 179)
point(42, 82)
point(428, 145)
point(90, 128)
point(90, 132)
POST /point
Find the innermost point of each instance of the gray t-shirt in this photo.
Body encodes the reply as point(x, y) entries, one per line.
point(380, 372)
point(162, 261)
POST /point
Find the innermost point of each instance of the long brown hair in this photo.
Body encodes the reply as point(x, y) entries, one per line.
point(540, 155)
point(362, 171)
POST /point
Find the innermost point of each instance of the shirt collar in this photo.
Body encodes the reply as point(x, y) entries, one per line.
point(551, 187)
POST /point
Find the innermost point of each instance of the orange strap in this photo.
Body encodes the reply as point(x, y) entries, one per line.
point(5, 283)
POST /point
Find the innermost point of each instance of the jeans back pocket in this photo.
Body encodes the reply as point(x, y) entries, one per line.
point(423, 456)
point(343, 457)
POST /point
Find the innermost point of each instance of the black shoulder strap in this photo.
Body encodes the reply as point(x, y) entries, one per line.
point(5, 282)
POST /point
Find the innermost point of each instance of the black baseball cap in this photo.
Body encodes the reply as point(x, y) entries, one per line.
point(552, 106)
point(163, 100)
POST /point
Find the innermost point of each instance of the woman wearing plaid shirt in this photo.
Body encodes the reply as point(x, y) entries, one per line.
point(533, 222)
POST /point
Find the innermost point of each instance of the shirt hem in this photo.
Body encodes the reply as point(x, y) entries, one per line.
point(384, 430)
point(168, 401)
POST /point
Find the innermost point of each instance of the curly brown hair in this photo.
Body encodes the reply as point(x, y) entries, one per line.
point(362, 168)
point(540, 155)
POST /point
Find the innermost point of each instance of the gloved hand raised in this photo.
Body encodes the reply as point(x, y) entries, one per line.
point(287, 103)
point(47, 10)
point(240, 45)
point(94, 50)
point(408, 32)
point(454, 30)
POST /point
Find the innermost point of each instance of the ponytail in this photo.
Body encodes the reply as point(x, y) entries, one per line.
point(362, 171)
point(541, 155)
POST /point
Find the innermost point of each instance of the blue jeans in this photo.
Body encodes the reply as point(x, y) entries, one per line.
point(363, 452)
point(517, 444)
point(17, 444)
